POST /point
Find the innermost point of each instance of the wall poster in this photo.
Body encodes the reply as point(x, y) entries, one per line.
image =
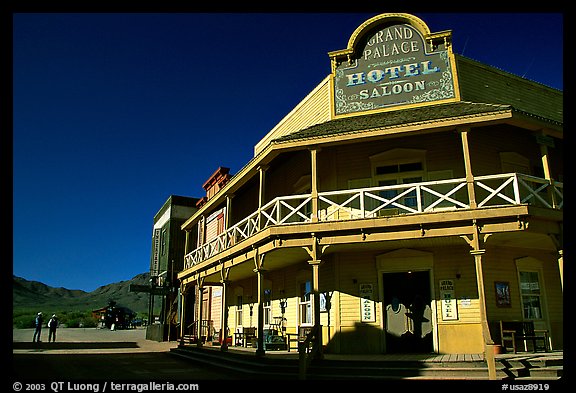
point(502, 293)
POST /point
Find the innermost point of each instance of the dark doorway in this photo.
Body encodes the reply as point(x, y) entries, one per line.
point(407, 312)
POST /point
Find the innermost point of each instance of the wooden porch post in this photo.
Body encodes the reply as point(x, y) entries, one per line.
point(468, 167)
point(259, 270)
point(561, 267)
point(557, 239)
point(261, 192)
point(315, 262)
point(229, 210)
point(182, 312)
point(200, 300)
point(224, 322)
point(477, 253)
point(543, 142)
point(187, 243)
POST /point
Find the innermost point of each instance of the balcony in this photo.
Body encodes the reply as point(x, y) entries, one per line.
point(374, 202)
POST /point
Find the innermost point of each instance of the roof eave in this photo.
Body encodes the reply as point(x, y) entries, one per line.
point(419, 126)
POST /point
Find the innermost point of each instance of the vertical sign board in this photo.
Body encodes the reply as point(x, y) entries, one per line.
point(367, 308)
point(448, 299)
point(392, 67)
point(154, 269)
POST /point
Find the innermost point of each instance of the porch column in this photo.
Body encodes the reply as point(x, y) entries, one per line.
point(468, 167)
point(477, 253)
point(182, 313)
point(224, 322)
point(545, 164)
point(315, 262)
point(545, 141)
point(200, 300)
point(187, 243)
point(229, 210)
point(259, 270)
point(561, 268)
point(314, 181)
point(261, 192)
point(557, 239)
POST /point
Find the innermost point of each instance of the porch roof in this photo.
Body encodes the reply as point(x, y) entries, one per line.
point(425, 114)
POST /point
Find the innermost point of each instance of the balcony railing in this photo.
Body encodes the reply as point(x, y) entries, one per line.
point(372, 202)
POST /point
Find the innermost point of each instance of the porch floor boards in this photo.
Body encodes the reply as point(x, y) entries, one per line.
point(284, 364)
point(420, 357)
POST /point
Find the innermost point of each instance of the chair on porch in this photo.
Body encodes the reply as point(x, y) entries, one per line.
point(244, 337)
point(514, 332)
point(299, 337)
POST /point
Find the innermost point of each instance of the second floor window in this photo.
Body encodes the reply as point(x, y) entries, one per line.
point(394, 168)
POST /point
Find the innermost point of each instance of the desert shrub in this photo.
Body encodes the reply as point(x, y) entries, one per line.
point(25, 321)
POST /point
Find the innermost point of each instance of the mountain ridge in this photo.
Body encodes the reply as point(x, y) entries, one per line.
point(28, 294)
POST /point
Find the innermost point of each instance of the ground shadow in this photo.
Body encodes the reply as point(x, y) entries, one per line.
point(73, 345)
point(120, 366)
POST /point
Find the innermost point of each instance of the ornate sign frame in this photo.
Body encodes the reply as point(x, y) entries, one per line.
point(392, 61)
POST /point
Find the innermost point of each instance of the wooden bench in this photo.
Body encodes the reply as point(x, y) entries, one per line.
point(512, 332)
point(273, 340)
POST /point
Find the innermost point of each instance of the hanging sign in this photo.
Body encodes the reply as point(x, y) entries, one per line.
point(392, 67)
point(448, 300)
point(155, 264)
point(367, 307)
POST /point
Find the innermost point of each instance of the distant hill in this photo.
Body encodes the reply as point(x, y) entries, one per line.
point(34, 295)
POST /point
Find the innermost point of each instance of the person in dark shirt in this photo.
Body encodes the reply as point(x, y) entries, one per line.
point(52, 326)
point(38, 330)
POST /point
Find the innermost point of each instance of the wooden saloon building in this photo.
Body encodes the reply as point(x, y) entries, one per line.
point(411, 202)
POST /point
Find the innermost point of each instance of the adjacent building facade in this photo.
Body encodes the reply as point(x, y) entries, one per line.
point(408, 204)
point(166, 261)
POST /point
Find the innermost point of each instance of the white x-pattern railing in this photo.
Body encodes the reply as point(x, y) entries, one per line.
point(372, 202)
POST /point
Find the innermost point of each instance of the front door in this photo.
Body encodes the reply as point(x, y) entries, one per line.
point(407, 312)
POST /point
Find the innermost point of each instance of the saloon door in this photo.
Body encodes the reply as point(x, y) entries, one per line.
point(407, 312)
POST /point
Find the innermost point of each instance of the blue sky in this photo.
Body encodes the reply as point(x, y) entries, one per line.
point(114, 112)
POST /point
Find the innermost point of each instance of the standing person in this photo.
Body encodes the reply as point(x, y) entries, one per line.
point(52, 325)
point(38, 329)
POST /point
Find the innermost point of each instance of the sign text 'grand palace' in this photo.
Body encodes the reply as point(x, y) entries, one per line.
point(393, 68)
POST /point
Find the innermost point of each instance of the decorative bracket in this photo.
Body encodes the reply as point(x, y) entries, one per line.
point(258, 261)
point(313, 252)
point(224, 272)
